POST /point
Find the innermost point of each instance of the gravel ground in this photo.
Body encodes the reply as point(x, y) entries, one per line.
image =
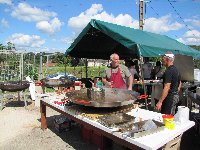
point(20, 129)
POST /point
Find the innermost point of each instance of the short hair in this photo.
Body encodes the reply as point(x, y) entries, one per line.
point(112, 55)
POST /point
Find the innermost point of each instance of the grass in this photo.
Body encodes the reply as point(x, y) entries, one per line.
point(79, 72)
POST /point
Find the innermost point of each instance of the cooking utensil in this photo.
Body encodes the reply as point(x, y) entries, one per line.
point(103, 97)
point(14, 86)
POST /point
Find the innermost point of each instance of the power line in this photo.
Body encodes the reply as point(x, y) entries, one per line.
point(149, 2)
point(158, 15)
point(181, 17)
point(154, 11)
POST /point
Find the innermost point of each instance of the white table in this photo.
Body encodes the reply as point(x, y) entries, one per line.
point(149, 142)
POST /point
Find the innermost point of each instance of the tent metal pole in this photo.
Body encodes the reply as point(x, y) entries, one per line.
point(40, 68)
point(142, 75)
point(86, 68)
point(143, 84)
point(65, 66)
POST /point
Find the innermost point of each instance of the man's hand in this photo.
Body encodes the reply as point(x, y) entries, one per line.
point(130, 88)
point(158, 106)
point(110, 84)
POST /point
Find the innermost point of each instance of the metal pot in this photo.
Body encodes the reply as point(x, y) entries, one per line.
point(62, 82)
point(102, 97)
point(14, 86)
point(110, 94)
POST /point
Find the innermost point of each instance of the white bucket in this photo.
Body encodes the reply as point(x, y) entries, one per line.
point(198, 91)
point(182, 115)
point(197, 74)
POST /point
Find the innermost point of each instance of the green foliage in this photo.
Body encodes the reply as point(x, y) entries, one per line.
point(79, 72)
point(33, 74)
point(49, 90)
point(196, 62)
point(76, 67)
point(9, 46)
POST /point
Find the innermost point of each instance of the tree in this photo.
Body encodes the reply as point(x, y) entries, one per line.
point(196, 62)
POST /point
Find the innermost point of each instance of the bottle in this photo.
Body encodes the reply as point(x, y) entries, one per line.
point(99, 84)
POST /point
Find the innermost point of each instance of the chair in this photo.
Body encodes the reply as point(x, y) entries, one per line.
point(173, 144)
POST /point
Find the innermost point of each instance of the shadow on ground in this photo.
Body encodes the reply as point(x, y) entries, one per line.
point(190, 139)
point(73, 137)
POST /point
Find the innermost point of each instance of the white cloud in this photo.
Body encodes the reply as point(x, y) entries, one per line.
point(194, 22)
point(94, 9)
point(79, 22)
point(67, 40)
point(156, 25)
point(23, 40)
point(51, 50)
point(49, 27)
point(31, 14)
point(161, 25)
point(181, 40)
point(192, 34)
point(8, 2)
point(191, 38)
point(96, 12)
point(4, 23)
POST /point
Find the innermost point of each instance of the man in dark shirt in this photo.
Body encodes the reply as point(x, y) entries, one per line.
point(167, 104)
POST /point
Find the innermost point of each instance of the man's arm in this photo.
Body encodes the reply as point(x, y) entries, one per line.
point(130, 78)
point(164, 95)
point(104, 79)
point(106, 83)
point(179, 87)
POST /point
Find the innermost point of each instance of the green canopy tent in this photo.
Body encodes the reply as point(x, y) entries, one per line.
point(99, 40)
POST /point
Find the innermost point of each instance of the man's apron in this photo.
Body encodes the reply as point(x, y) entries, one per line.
point(117, 80)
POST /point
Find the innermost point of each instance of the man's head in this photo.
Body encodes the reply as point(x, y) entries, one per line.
point(114, 60)
point(168, 59)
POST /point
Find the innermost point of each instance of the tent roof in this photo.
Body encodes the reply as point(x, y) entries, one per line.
point(99, 40)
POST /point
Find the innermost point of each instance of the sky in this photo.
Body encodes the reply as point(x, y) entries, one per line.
point(52, 25)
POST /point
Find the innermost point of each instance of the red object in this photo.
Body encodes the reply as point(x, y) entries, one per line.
point(167, 116)
point(144, 96)
point(38, 83)
point(66, 90)
point(77, 83)
point(59, 103)
point(95, 82)
point(82, 102)
point(117, 80)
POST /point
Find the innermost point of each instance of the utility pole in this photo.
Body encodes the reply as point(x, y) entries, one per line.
point(141, 14)
point(141, 23)
point(40, 70)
